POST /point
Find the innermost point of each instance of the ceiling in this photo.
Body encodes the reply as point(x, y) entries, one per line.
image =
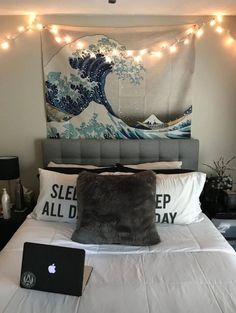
point(122, 7)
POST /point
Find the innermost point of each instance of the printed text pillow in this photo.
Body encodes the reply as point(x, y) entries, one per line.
point(57, 199)
point(177, 198)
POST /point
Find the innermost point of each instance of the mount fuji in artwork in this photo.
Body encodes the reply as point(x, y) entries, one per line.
point(77, 105)
point(152, 122)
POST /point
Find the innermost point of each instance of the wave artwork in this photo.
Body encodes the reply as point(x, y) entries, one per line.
point(77, 105)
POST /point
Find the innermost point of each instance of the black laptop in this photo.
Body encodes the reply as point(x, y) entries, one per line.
point(54, 269)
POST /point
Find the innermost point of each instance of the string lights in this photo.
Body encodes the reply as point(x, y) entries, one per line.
point(170, 47)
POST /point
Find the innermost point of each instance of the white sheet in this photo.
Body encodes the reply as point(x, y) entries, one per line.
point(193, 269)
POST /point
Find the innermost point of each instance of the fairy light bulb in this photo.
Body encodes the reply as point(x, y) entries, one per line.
point(138, 59)
point(67, 39)
point(190, 31)
point(212, 22)
point(164, 45)
point(108, 59)
point(219, 29)
point(79, 45)
point(54, 29)
point(129, 53)
point(39, 26)
point(158, 54)
point(92, 55)
point(143, 51)
point(32, 18)
point(58, 39)
point(186, 41)
point(173, 49)
point(5, 45)
point(21, 29)
point(115, 52)
point(219, 18)
point(199, 32)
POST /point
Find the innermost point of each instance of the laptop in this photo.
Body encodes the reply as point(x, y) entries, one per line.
point(54, 269)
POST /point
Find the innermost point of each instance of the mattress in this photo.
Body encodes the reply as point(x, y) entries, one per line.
point(193, 269)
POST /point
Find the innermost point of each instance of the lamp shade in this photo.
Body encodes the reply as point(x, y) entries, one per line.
point(9, 167)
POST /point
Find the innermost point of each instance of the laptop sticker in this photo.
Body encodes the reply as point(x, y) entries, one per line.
point(28, 280)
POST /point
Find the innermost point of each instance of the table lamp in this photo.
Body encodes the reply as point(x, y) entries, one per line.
point(9, 169)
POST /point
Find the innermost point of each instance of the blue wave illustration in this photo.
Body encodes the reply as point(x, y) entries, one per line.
point(77, 106)
point(97, 69)
point(72, 94)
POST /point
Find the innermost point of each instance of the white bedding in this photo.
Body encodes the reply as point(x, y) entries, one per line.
point(193, 269)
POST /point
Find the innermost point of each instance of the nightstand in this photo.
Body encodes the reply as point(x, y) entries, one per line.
point(212, 202)
point(219, 206)
point(10, 226)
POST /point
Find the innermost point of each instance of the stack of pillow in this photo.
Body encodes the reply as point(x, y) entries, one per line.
point(119, 204)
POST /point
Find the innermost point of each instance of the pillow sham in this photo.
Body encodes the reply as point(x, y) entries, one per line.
point(77, 170)
point(156, 165)
point(116, 209)
point(83, 166)
point(57, 200)
point(122, 168)
point(177, 198)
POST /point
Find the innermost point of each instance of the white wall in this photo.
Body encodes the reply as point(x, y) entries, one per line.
point(22, 114)
point(214, 97)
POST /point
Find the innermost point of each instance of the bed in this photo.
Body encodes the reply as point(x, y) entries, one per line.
point(192, 269)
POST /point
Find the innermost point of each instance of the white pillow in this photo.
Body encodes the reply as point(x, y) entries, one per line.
point(156, 165)
point(57, 199)
point(89, 167)
point(177, 197)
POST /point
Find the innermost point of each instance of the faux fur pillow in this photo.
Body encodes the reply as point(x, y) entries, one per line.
point(116, 209)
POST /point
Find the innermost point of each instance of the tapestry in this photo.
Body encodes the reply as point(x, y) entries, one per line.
point(118, 83)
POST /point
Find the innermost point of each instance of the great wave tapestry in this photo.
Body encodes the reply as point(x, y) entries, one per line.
point(118, 83)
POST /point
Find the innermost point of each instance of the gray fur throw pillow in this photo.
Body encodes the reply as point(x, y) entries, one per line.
point(116, 209)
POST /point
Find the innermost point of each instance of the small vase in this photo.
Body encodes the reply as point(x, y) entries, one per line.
point(19, 196)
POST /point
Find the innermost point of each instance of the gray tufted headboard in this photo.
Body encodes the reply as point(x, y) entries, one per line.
point(108, 152)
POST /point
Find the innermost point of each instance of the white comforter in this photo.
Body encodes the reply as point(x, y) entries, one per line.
point(193, 269)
